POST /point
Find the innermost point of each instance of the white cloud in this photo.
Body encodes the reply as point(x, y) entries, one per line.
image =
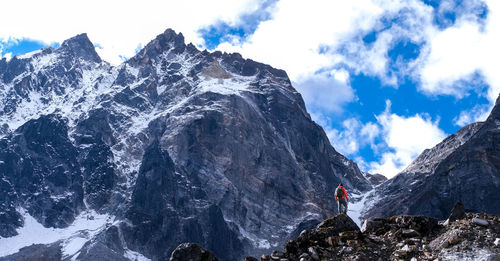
point(395, 140)
point(477, 113)
point(327, 92)
point(291, 40)
point(353, 135)
point(118, 26)
point(405, 138)
point(460, 52)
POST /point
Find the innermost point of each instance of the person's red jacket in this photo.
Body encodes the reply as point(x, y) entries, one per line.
point(343, 192)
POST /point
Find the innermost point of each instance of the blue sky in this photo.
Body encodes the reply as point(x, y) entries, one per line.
point(385, 78)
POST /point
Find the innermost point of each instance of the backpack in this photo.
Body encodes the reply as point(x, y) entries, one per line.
point(339, 193)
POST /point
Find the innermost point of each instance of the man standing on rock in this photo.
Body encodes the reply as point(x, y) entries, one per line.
point(342, 198)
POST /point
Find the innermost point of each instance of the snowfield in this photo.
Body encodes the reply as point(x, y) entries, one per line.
point(86, 225)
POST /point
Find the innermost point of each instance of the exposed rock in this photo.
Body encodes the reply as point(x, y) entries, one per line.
point(458, 212)
point(399, 237)
point(480, 221)
point(192, 252)
point(410, 233)
point(249, 258)
point(36, 253)
point(376, 179)
point(277, 255)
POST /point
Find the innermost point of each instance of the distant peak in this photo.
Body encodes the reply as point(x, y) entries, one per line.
point(82, 47)
point(168, 40)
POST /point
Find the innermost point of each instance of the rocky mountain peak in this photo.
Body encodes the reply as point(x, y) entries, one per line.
point(82, 47)
point(163, 42)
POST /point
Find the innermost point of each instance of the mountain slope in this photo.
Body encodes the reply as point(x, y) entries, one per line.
point(173, 145)
point(464, 167)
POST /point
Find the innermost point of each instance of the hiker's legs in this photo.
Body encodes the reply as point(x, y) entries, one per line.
point(341, 202)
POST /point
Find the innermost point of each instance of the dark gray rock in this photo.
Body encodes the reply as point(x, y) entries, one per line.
point(81, 47)
point(36, 253)
point(340, 223)
point(40, 165)
point(192, 252)
point(376, 179)
point(458, 212)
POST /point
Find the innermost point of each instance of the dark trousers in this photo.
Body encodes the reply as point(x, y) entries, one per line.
point(342, 202)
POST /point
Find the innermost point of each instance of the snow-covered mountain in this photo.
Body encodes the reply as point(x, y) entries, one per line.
point(176, 144)
point(464, 167)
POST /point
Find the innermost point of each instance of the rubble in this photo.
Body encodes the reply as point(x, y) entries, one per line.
point(466, 236)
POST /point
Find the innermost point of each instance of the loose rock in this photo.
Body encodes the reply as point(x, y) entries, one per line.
point(480, 221)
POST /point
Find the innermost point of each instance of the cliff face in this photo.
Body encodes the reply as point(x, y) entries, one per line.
point(171, 146)
point(464, 167)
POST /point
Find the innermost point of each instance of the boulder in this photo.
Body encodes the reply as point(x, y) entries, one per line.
point(480, 221)
point(458, 212)
point(340, 223)
point(192, 252)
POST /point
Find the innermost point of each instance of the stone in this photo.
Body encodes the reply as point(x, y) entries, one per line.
point(371, 225)
point(192, 252)
point(497, 241)
point(339, 223)
point(480, 221)
point(410, 233)
point(313, 253)
point(458, 212)
point(304, 255)
point(265, 258)
point(277, 255)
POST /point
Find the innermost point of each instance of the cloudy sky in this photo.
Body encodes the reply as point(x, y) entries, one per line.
point(385, 78)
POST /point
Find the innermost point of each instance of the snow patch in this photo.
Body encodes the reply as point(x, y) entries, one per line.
point(358, 203)
point(86, 225)
point(233, 86)
point(132, 255)
point(29, 55)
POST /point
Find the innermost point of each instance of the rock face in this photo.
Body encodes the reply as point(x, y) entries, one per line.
point(175, 145)
point(464, 167)
point(397, 238)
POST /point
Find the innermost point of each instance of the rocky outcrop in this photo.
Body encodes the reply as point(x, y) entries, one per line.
point(192, 252)
point(36, 253)
point(396, 238)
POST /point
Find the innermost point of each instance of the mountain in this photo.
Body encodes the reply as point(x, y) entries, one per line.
point(174, 145)
point(464, 167)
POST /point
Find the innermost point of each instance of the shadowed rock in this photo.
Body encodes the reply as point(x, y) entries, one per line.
point(192, 252)
point(458, 212)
